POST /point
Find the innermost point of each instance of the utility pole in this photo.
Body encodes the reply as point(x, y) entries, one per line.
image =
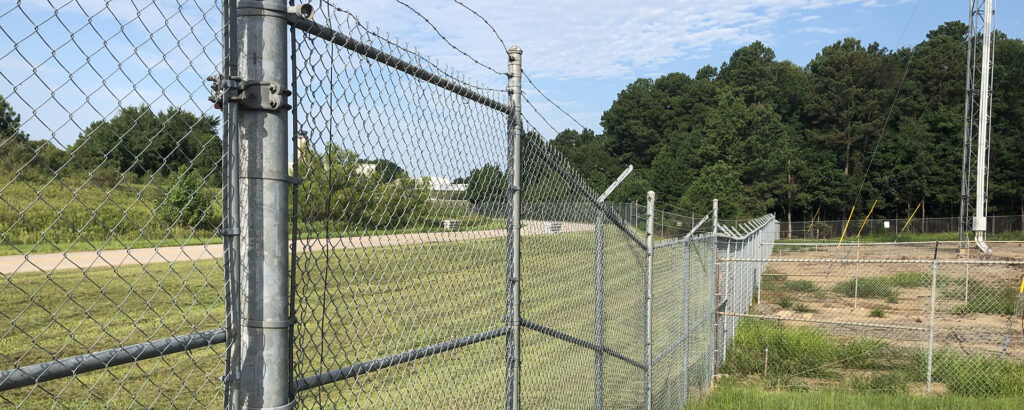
point(977, 121)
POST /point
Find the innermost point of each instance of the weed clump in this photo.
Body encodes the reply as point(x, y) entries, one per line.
point(801, 286)
point(877, 311)
point(802, 308)
point(988, 300)
point(872, 288)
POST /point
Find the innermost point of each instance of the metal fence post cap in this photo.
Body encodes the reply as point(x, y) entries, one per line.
point(515, 50)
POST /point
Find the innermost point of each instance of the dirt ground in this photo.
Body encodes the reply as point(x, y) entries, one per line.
point(905, 307)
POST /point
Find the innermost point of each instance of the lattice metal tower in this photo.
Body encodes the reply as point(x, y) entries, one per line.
point(977, 121)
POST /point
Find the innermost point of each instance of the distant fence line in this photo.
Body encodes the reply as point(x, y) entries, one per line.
point(892, 226)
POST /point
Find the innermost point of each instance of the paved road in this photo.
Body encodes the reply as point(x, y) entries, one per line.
point(88, 260)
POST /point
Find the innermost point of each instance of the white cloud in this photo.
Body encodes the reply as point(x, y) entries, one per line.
point(579, 39)
point(822, 30)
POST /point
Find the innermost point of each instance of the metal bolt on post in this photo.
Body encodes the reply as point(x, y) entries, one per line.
point(512, 320)
point(647, 299)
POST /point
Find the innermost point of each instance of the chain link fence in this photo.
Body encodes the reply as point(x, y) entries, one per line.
point(897, 318)
point(345, 222)
point(833, 229)
point(112, 290)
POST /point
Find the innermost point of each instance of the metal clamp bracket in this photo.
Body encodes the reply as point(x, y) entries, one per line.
point(293, 180)
point(269, 324)
point(222, 86)
point(235, 231)
point(264, 96)
point(270, 9)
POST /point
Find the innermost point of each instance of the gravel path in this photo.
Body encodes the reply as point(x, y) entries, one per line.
point(88, 260)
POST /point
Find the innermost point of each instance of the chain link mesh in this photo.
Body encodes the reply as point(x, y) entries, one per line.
point(400, 226)
point(860, 317)
point(113, 281)
point(109, 202)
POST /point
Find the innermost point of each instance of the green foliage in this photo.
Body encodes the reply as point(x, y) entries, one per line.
point(791, 140)
point(785, 302)
point(871, 287)
point(801, 286)
point(772, 280)
point(486, 185)
point(336, 189)
point(389, 171)
point(101, 210)
point(141, 141)
point(715, 181)
point(887, 392)
point(918, 279)
point(189, 202)
point(799, 350)
point(812, 353)
point(10, 125)
point(985, 299)
point(802, 308)
point(978, 375)
point(877, 311)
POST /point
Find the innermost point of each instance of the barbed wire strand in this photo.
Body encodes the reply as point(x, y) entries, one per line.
point(442, 70)
point(504, 45)
point(892, 107)
point(445, 39)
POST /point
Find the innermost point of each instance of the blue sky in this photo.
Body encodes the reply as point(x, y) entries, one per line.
point(62, 71)
point(582, 53)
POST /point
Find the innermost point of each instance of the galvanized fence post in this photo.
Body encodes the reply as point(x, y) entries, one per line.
point(686, 322)
point(598, 310)
point(514, 225)
point(717, 295)
point(647, 299)
point(230, 218)
point(264, 376)
point(931, 321)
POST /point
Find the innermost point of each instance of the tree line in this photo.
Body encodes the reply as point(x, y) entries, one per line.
point(858, 123)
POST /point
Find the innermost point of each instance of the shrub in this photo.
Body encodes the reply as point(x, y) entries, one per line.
point(874, 288)
point(188, 203)
point(801, 286)
point(988, 300)
point(802, 308)
point(771, 280)
point(809, 352)
point(786, 302)
point(877, 311)
point(978, 376)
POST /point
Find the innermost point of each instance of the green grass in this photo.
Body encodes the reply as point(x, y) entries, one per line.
point(984, 299)
point(802, 308)
point(786, 302)
point(772, 280)
point(978, 376)
point(794, 351)
point(353, 305)
point(916, 279)
point(801, 286)
point(860, 364)
point(729, 395)
point(72, 214)
point(871, 287)
point(877, 311)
